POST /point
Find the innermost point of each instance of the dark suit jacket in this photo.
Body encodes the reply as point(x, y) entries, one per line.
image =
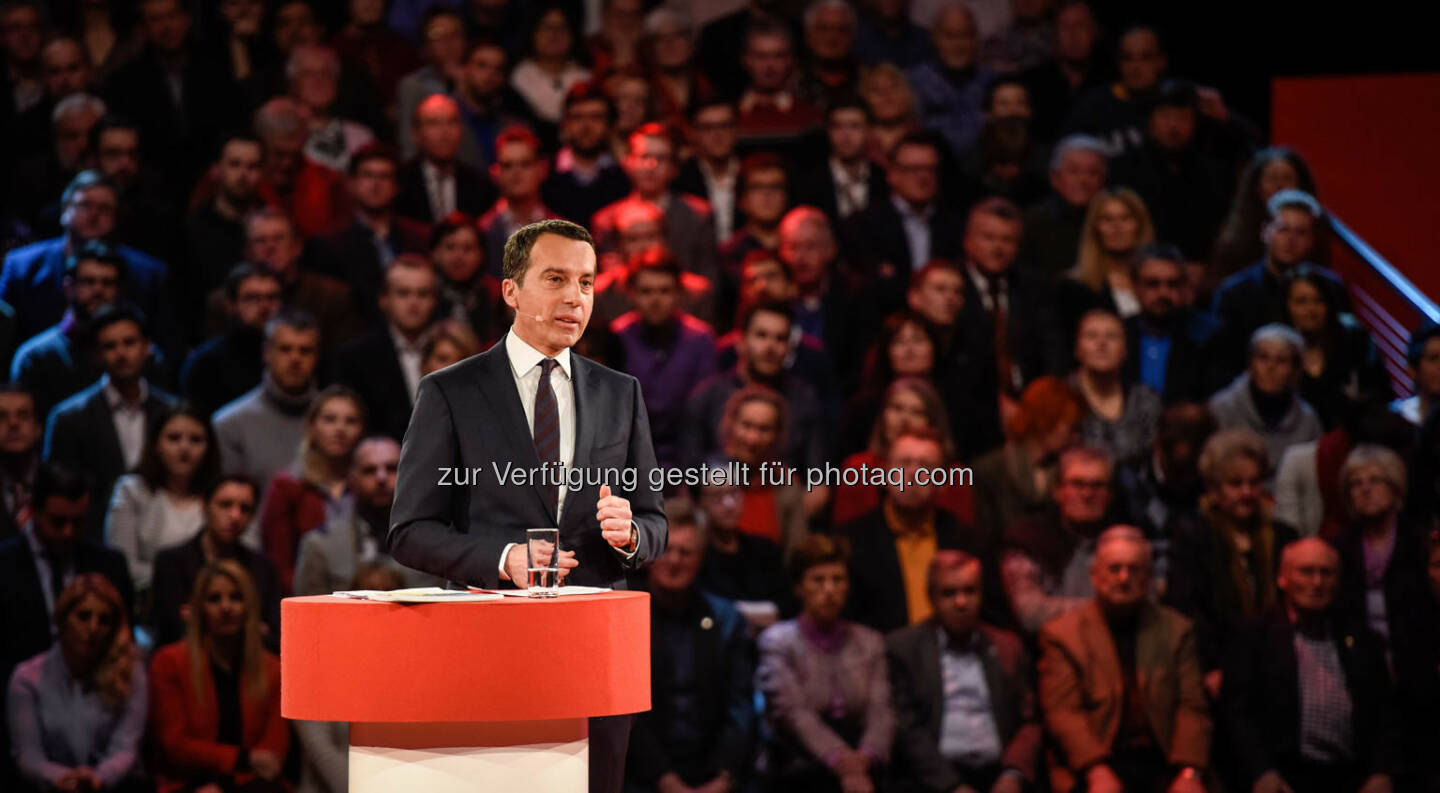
point(473, 192)
point(222, 369)
point(469, 415)
point(578, 202)
point(690, 181)
point(350, 256)
point(916, 690)
point(1260, 701)
point(876, 243)
point(1036, 342)
point(371, 366)
point(175, 571)
point(1253, 297)
point(80, 432)
point(817, 188)
point(1192, 370)
point(32, 283)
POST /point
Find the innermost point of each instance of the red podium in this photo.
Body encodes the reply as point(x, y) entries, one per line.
point(446, 697)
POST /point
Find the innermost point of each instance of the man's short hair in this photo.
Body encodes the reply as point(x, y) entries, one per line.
point(374, 151)
point(1078, 142)
point(450, 224)
point(113, 315)
point(766, 255)
point(759, 161)
point(1163, 251)
point(232, 479)
point(406, 261)
point(485, 42)
point(1290, 198)
point(813, 9)
point(936, 266)
point(1419, 339)
point(433, 12)
point(749, 311)
point(517, 133)
point(96, 251)
point(586, 91)
point(76, 104)
point(1188, 423)
point(279, 117)
point(330, 56)
point(58, 480)
point(1124, 533)
point(243, 272)
point(1276, 332)
point(110, 122)
point(849, 101)
point(915, 138)
point(945, 560)
point(1000, 82)
point(996, 206)
point(87, 179)
point(654, 260)
point(767, 27)
point(292, 319)
point(270, 213)
point(518, 247)
point(1085, 454)
point(238, 136)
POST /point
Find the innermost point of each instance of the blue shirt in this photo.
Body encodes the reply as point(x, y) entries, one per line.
point(1154, 356)
point(968, 733)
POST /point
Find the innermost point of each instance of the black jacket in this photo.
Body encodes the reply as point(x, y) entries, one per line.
point(371, 366)
point(1193, 369)
point(175, 571)
point(473, 192)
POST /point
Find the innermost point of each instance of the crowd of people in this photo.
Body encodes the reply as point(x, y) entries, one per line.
point(1199, 549)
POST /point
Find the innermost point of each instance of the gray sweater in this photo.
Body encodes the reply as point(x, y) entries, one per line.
point(259, 433)
point(1234, 407)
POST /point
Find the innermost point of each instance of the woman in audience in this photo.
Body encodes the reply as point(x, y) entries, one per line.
point(1018, 476)
point(827, 694)
point(893, 109)
point(1271, 170)
point(1340, 366)
point(215, 695)
point(298, 501)
point(162, 503)
point(450, 342)
point(1266, 397)
point(910, 403)
point(1223, 566)
point(629, 92)
point(1116, 225)
point(906, 347)
point(751, 432)
point(1120, 417)
point(669, 50)
point(543, 77)
point(76, 712)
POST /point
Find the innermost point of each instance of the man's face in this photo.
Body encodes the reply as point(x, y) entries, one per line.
point(518, 171)
point(1079, 177)
point(1172, 128)
point(272, 241)
point(228, 512)
point(939, 296)
point(295, 25)
point(372, 475)
point(365, 13)
point(1120, 574)
point(1083, 491)
point(830, 36)
point(64, 69)
point(1075, 34)
point(59, 522)
point(766, 343)
point(650, 164)
point(315, 82)
point(1240, 489)
point(117, 155)
point(458, 256)
point(915, 174)
point(587, 127)
point(1010, 100)
point(765, 197)
point(437, 129)
point(19, 430)
point(808, 247)
point(409, 298)
point(72, 137)
point(754, 432)
point(910, 455)
point(764, 279)
point(123, 350)
point(1160, 288)
point(290, 358)
point(484, 72)
point(656, 295)
point(1309, 575)
point(165, 24)
point(1272, 367)
point(848, 131)
point(1141, 61)
point(374, 185)
point(240, 169)
point(91, 214)
point(955, 595)
point(992, 242)
point(20, 34)
point(638, 235)
point(722, 504)
point(715, 133)
point(444, 41)
point(678, 568)
point(768, 61)
point(92, 285)
point(284, 157)
point(1290, 237)
point(1100, 344)
point(558, 288)
point(257, 299)
point(1427, 371)
point(955, 38)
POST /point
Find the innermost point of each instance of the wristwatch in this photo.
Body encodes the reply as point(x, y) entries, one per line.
point(634, 537)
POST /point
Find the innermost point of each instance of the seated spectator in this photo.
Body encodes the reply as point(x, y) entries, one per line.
point(1115, 113)
point(886, 35)
point(1266, 398)
point(438, 180)
point(162, 503)
point(1172, 342)
point(827, 693)
point(449, 343)
point(965, 708)
point(738, 564)
point(76, 712)
point(906, 347)
point(1240, 244)
point(1046, 557)
point(751, 432)
point(894, 543)
point(366, 43)
point(1018, 476)
point(762, 196)
point(677, 81)
point(1416, 649)
point(1340, 368)
point(951, 86)
point(487, 102)
point(772, 113)
point(383, 366)
point(893, 108)
point(667, 349)
point(1007, 161)
point(910, 404)
point(20, 436)
point(299, 500)
point(1119, 683)
point(50, 552)
point(1054, 226)
point(586, 177)
point(518, 171)
point(222, 369)
point(551, 68)
point(309, 192)
point(215, 233)
point(700, 731)
point(1223, 565)
point(616, 45)
point(467, 292)
point(829, 68)
point(1164, 488)
point(847, 181)
point(441, 33)
point(39, 179)
point(1307, 696)
point(1423, 354)
point(144, 217)
point(258, 432)
point(1120, 417)
point(362, 252)
point(215, 694)
point(102, 429)
point(1023, 44)
point(766, 278)
point(829, 304)
point(313, 75)
point(1116, 226)
point(712, 171)
point(229, 507)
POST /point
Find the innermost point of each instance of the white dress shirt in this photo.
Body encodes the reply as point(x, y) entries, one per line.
point(410, 355)
point(852, 190)
point(440, 188)
point(525, 366)
point(129, 418)
point(917, 230)
point(721, 190)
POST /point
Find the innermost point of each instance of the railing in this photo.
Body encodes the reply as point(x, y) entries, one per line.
point(1385, 301)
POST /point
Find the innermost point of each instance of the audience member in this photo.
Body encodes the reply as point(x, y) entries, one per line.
point(771, 112)
point(1116, 226)
point(311, 193)
point(712, 171)
point(20, 436)
point(1054, 226)
point(751, 433)
point(1417, 669)
point(1076, 67)
point(1240, 243)
point(951, 86)
point(1340, 367)
point(223, 368)
point(439, 179)
point(441, 33)
point(551, 67)
point(449, 343)
point(518, 171)
point(906, 347)
point(215, 233)
point(361, 254)
point(313, 76)
point(762, 196)
point(677, 81)
point(37, 181)
point(1116, 113)
point(886, 35)
point(1423, 355)
point(1019, 475)
point(829, 304)
point(383, 366)
point(1173, 344)
point(829, 69)
point(586, 177)
point(1266, 398)
point(847, 181)
point(894, 110)
point(1120, 416)
point(465, 291)
point(739, 564)
point(1164, 488)
point(487, 102)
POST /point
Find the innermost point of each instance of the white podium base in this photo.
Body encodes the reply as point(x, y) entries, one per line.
point(466, 757)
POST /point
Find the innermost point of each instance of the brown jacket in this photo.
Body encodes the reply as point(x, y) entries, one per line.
point(1082, 693)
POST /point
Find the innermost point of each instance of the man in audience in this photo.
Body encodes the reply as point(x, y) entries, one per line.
point(1163, 490)
point(518, 171)
point(740, 565)
point(886, 34)
point(1120, 683)
point(763, 196)
point(313, 75)
point(1266, 397)
point(714, 168)
point(362, 253)
point(699, 733)
point(1116, 113)
point(331, 555)
point(1046, 557)
point(950, 88)
point(144, 217)
point(830, 69)
point(586, 177)
point(20, 433)
point(105, 428)
point(765, 278)
point(443, 47)
point(259, 433)
point(964, 702)
point(771, 113)
point(488, 104)
point(892, 545)
point(215, 233)
point(383, 366)
point(1423, 355)
point(667, 349)
point(1172, 345)
point(1078, 167)
point(437, 181)
point(829, 301)
point(1306, 699)
point(1077, 66)
point(39, 179)
point(223, 368)
point(847, 181)
point(230, 504)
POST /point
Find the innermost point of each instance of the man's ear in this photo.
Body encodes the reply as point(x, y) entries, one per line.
point(508, 288)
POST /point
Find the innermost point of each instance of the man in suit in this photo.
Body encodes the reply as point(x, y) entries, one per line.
point(1078, 166)
point(1306, 691)
point(510, 406)
point(215, 232)
point(518, 171)
point(847, 182)
point(1120, 683)
point(360, 253)
point(1171, 341)
point(964, 705)
point(20, 432)
point(384, 364)
point(105, 427)
point(224, 367)
point(586, 177)
point(714, 168)
point(436, 182)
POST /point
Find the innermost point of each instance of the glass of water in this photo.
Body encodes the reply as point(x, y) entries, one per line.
point(543, 562)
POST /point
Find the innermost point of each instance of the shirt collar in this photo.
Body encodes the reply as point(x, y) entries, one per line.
point(114, 398)
point(523, 357)
point(780, 100)
point(950, 644)
point(843, 175)
point(908, 212)
point(403, 344)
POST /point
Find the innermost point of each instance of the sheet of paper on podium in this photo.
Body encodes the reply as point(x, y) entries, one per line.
point(429, 594)
point(563, 591)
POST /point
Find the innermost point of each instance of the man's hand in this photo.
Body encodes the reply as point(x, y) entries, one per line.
point(1100, 779)
point(266, 764)
point(720, 784)
point(613, 512)
point(1270, 782)
point(858, 782)
point(1007, 783)
point(672, 783)
point(964, 788)
point(1211, 103)
point(87, 781)
point(1186, 783)
point(849, 761)
point(517, 564)
point(1213, 680)
point(1377, 783)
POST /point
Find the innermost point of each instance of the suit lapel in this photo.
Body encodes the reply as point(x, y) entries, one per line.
point(1102, 649)
point(103, 421)
point(497, 383)
point(996, 683)
point(928, 668)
